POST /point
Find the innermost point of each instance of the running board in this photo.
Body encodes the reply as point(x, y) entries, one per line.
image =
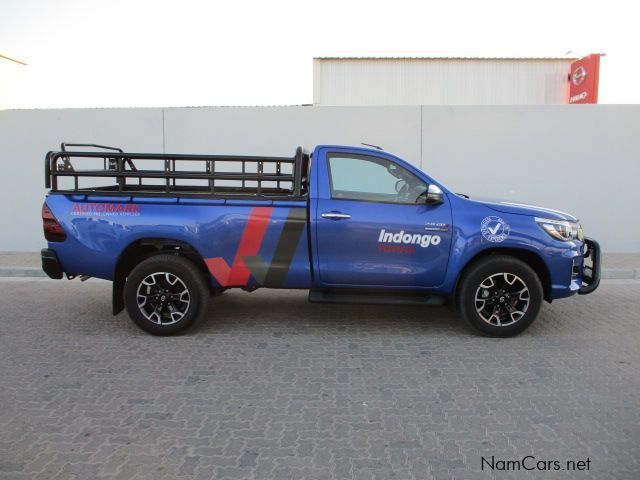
point(372, 298)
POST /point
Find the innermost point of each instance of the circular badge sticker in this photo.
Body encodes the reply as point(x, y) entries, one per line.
point(494, 229)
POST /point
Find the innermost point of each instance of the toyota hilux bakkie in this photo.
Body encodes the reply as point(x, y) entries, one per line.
point(348, 224)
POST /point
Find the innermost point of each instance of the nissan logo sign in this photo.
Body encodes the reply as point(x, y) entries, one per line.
point(579, 74)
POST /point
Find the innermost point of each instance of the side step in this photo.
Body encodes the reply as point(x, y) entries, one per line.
point(375, 298)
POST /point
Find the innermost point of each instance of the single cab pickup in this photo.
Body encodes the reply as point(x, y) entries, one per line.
point(349, 224)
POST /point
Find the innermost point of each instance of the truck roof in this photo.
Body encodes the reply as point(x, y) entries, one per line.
point(358, 148)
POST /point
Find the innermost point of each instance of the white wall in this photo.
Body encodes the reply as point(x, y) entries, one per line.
point(27, 135)
point(584, 159)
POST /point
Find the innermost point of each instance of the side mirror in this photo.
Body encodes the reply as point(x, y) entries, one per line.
point(435, 196)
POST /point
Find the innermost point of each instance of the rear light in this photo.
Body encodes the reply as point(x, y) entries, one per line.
point(53, 231)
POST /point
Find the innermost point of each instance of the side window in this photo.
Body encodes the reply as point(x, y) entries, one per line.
point(372, 179)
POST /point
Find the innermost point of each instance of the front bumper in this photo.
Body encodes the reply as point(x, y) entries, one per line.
point(591, 270)
point(50, 264)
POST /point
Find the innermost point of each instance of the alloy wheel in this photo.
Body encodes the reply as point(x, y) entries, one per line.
point(163, 298)
point(502, 299)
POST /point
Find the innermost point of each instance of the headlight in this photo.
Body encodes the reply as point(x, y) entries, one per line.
point(562, 230)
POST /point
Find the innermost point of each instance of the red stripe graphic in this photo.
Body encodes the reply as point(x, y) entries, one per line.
point(238, 274)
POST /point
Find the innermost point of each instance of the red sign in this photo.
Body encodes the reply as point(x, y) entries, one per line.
point(583, 79)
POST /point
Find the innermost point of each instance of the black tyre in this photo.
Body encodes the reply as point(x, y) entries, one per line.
point(499, 296)
point(165, 294)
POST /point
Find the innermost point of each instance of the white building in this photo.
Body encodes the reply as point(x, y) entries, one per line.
point(441, 80)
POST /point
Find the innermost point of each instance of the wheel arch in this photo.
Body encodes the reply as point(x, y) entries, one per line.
point(532, 259)
point(144, 248)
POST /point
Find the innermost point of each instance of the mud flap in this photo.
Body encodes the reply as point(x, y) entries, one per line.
point(118, 295)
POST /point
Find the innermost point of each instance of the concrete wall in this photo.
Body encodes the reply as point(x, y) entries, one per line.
point(584, 159)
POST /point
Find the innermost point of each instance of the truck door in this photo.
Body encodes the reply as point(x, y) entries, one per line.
point(373, 225)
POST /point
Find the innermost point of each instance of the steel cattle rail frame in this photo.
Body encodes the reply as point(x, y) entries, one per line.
point(115, 160)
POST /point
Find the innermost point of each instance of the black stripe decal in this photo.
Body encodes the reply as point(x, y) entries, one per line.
point(286, 248)
point(257, 267)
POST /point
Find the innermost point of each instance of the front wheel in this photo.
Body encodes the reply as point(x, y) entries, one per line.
point(500, 296)
point(165, 294)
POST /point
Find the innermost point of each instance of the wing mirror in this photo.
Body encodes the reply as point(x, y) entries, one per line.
point(434, 196)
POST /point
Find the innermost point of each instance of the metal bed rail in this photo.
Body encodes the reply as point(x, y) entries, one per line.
point(121, 167)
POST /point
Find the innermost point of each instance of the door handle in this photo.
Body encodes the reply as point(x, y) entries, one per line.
point(336, 216)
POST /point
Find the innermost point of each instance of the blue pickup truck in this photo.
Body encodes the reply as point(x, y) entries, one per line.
point(348, 224)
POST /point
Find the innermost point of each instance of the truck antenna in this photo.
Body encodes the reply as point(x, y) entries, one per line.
point(370, 145)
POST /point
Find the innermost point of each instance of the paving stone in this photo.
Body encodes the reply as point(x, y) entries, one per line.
point(269, 386)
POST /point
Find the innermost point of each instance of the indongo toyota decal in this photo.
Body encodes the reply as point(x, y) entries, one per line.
point(405, 242)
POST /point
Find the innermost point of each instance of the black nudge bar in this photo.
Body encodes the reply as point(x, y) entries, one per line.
point(115, 172)
point(591, 271)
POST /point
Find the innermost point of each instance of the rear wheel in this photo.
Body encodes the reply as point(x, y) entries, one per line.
point(500, 296)
point(165, 294)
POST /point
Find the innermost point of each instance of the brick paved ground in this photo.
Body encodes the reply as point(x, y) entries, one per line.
point(273, 387)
